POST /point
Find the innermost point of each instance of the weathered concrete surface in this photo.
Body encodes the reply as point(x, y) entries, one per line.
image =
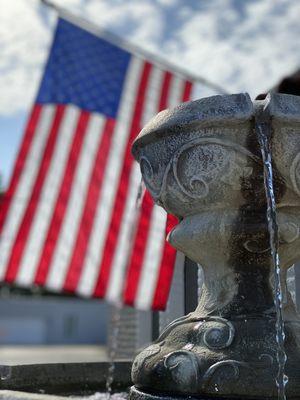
point(202, 163)
point(64, 379)
point(14, 395)
point(22, 355)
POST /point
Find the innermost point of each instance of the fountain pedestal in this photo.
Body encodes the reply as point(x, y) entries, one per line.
point(202, 163)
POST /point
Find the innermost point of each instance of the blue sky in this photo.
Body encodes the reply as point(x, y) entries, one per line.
point(241, 45)
point(12, 128)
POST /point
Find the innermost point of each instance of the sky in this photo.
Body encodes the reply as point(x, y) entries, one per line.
point(242, 45)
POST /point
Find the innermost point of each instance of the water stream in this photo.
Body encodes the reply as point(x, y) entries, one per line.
point(113, 347)
point(263, 134)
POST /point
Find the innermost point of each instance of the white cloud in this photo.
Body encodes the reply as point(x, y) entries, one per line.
point(243, 45)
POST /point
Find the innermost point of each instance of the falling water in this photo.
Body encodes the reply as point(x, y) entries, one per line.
point(116, 311)
point(262, 130)
point(113, 346)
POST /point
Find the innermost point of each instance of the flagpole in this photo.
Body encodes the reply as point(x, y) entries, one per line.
point(126, 45)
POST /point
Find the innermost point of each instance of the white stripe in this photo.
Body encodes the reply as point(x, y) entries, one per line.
point(95, 249)
point(153, 95)
point(123, 246)
point(176, 91)
point(65, 245)
point(42, 219)
point(24, 189)
point(152, 259)
point(199, 91)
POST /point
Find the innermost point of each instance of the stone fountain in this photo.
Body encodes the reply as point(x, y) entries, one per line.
point(202, 162)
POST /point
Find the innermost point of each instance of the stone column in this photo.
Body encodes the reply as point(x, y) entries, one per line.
point(202, 163)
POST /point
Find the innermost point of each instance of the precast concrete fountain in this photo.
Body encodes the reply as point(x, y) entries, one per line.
point(202, 162)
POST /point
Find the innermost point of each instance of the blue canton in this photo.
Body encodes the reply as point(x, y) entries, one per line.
point(84, 70)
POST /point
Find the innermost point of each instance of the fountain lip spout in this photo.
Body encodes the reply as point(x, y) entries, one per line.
point(220, 109)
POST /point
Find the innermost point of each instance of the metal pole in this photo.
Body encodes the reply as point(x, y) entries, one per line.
point(191, 285)
point(124, 44)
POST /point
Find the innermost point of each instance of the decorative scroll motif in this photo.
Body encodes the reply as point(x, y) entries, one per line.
point(220, 365)
point(288, 232)
point(148, 174)
point(214, 337)
point(264, 361)
point(256, 246)
point(202, 161)
point(173, 324)
point(184, 368)
point(142, 357)
point(295, 174)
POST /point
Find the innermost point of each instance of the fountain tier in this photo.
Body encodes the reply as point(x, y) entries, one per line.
point(202, 162)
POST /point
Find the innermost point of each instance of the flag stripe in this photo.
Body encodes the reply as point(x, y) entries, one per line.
point(23, 232)
point(140, 242)
point(163, 283)
point(122, 187)
point(115, 284)
point(42, 218)
point(126, 235)
point(165, 91)
point(94, 253)
point(152, 259)
point(20, 162)
point(92, 198)
point(153, 95)
point(176, 90)
point(61, 201)
point(187, 91)
point(23, 191)
point(83, 169)
point(66, 241)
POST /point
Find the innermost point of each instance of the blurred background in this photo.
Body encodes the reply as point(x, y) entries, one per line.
point(238, 45)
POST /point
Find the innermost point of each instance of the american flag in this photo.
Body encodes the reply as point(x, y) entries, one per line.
point(69, 220)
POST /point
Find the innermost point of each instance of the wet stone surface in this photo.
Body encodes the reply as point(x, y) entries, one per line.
point(14, 395)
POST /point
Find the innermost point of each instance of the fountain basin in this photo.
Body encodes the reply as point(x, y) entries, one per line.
point(69, 379)
point(202, 162)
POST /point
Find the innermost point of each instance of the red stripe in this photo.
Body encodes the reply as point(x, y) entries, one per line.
point(137, 257)
point(91, 203)
point(24, 229)
point(165, 91)
point(20, 162)
point(123, 185)
point(166, 270)
point(187, 91)
point(169, 256)
point(62, 200)
point(140, 242)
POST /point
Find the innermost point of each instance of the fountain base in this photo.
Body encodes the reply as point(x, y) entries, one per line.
point(206, 356)
point(202, 162)
point(136, 394)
